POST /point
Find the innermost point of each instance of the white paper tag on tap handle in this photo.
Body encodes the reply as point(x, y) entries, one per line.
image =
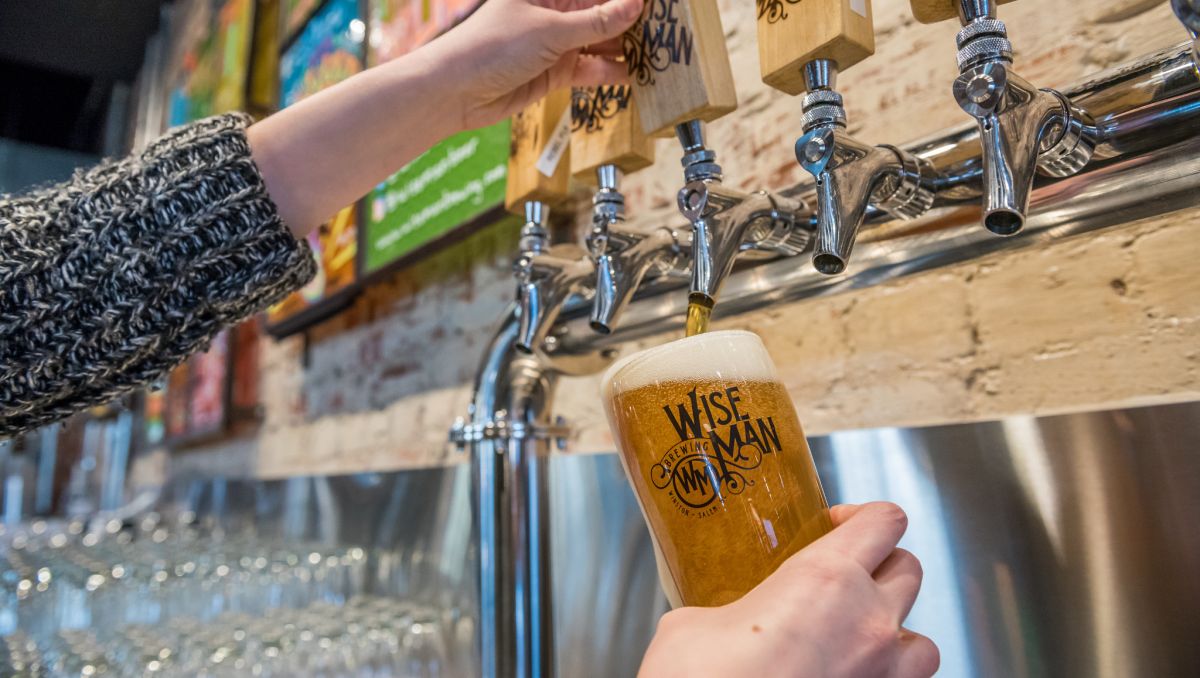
point(559, 140)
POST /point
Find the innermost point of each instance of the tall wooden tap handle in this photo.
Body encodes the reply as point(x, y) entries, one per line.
point(538, 167)
point(678, 64)
point(606, 130)
point(933, 11)
point(792, 33)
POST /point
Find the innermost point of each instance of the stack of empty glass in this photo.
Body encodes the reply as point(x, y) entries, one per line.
point(366, 637)
point(189, 600)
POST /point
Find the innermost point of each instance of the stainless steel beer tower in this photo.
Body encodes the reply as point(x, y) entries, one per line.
point(1142, 136)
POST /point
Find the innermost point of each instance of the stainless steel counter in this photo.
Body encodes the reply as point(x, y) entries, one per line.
point(1062, 546)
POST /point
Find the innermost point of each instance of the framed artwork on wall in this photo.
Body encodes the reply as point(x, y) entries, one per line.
point(328, 49)
point(452, 189)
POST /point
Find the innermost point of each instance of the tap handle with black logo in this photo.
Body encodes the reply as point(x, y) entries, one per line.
point(933, 11)
point(792, 33)
point(679, 65)
point(606, 130)
point(538, 165)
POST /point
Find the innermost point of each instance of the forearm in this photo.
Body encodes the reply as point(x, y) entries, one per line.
point(110, 280)
point(328, 150)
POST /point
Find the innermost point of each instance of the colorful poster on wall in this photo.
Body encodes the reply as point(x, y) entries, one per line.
point(262, 92)
point(215, 66)
point(400, 26)
point(334, 245)
point(234, 29)
point(455, 181)
point(449, 185)
point(153, 416)
point(294, 12)
point(194, 94)
point(243, 396)
point(328, 49)
point(176, 410)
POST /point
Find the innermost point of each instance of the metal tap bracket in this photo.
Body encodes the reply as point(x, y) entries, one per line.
point(462, 433)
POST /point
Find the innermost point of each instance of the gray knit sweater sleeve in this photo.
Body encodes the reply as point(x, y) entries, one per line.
point(110, 280)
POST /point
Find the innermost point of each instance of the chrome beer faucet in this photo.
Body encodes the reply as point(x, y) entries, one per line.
point(547, 276)
point(1023, 129)
point(726, 222)
point(625, 257)
point(850, 175)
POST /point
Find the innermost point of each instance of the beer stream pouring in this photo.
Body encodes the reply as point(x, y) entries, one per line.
point(802, 48)
point(538, 177)
point(1024, 130)
point(607, 142)
point(681, 76)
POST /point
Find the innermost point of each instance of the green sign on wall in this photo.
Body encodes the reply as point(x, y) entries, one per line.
point(452, 183)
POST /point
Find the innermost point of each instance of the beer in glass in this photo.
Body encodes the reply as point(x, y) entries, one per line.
point(715, 453)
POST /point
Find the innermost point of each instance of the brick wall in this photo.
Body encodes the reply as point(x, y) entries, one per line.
point(1090, 322)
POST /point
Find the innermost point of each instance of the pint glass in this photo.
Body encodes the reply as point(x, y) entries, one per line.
point(715, 453)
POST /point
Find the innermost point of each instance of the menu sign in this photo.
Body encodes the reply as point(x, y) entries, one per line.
point(453, 183)
point(456, 181)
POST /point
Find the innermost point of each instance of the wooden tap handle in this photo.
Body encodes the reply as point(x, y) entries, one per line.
point(538, 167)
point(606, 130)
point(933, 11)
point(678, 64)
point(792, 33)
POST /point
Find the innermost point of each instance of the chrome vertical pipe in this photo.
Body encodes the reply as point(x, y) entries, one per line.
point(509, 448)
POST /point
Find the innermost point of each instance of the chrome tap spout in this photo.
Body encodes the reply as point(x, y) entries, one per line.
point(620, 271)
point(623, 256)
point(547, 276)
point(850, 175)
point(726, 222)
point(1023, 130)
point(1188, 12)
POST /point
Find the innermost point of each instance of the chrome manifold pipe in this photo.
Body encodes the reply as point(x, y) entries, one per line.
point(1146, 163)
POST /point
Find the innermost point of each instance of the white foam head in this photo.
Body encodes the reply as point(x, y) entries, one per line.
point(712, 355)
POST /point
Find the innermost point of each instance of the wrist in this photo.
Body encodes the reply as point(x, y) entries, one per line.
point(429, 78)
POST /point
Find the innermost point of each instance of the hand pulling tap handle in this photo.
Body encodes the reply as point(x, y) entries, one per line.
point(802, 48)
point(1023, 130)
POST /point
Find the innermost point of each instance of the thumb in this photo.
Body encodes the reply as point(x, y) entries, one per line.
point(603, 21)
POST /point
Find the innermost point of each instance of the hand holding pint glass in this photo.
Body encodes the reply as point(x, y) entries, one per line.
point(718, 460)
